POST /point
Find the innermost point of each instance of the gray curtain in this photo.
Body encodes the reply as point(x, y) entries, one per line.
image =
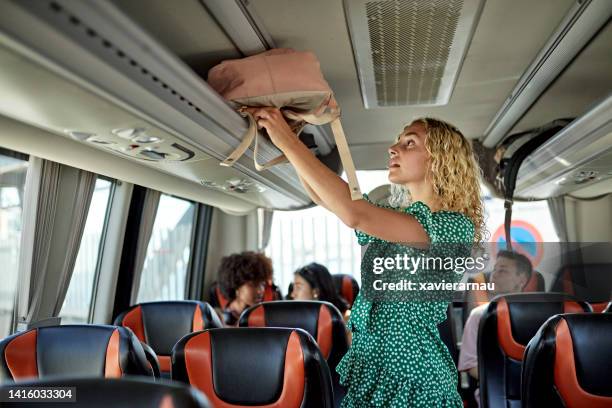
point(57, 235)
point(556, 206)
point(84, 189)
point(149, 211)
point(265, 228)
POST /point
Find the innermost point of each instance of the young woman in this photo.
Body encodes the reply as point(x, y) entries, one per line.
point(314, 282)
point(397, 358)
point(242, 279)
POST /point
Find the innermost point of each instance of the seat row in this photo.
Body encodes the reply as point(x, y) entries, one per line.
point(544, 349)
point(286, 366)
point(546, 339)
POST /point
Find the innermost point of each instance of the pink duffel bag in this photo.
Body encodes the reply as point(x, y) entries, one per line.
point(291, 81)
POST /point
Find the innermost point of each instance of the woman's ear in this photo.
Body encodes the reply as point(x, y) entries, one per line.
point(315, 293)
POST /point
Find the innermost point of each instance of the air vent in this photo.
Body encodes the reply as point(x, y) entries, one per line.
point(237, 185)
point(581, 177)
point(136, 143)
point(409, 52)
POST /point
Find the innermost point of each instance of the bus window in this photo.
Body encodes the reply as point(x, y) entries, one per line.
point(165, 267)
point(12, 180)
point(76, 307)
point(316, 235)
point(531, 220)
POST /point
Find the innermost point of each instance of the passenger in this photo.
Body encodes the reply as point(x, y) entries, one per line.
point(397, 358)
point(242, 279)
point(510, 274)
point(314, 282)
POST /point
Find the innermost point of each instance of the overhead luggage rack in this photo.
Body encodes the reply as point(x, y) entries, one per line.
point(97, 47)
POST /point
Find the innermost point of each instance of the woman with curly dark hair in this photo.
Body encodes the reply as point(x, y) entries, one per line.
point(242, 279)
point(314, 282)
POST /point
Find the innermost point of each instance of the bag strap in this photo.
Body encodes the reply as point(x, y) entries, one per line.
point(514, 164)
point(251, 134)
point(341, 144)
point(346, 159)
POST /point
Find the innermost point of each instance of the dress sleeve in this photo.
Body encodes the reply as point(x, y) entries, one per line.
point(424, 216)
point(362, 237)
point(444, 227)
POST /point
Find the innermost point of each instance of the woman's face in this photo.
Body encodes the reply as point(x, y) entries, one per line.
point(408, 158)
point(302, 289)
point(250, 293)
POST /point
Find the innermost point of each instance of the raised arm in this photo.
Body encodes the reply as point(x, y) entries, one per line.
point(383, 223)
point(313, 196)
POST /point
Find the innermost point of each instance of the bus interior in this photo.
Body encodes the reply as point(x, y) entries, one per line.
point(116, 216)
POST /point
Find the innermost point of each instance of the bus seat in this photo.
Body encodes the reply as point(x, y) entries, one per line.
point(216, 298)
point(535, 283)
point(119, 393)
point(589, 282)
point(346, 286)
point(598, 307)
point(506, 327)
point(567, 364)
point(72, 350)
point(476, 298)
point(242, 367)
point(271, 293)
point(161, 324)
point(320, 319)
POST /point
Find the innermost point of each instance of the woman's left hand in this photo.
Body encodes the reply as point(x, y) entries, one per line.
point(275, 124)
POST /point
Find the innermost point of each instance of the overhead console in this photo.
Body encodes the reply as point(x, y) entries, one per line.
point(86, 72)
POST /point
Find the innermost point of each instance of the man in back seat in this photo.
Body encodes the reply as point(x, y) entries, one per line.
point(511, 273)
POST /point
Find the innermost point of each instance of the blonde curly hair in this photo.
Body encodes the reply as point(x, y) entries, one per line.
point(454, 172)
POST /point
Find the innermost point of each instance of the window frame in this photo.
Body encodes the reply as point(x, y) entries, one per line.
point(200, 239)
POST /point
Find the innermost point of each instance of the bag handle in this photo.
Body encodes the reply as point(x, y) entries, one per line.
point(341, 144)
point(251, 134)
point(346, 159)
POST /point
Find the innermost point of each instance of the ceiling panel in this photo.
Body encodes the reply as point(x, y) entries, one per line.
point(586, 81)
point(185, 27)
point(507, 38)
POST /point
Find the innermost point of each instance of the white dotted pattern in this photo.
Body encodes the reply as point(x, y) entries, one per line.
point(397, 358)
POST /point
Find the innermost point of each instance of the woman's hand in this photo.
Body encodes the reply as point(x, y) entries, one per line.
point(275, 124)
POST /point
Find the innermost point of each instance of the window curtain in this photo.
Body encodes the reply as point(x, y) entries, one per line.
point(147, 220)
point(557, 208)
point(63, 197)
point(265, 227)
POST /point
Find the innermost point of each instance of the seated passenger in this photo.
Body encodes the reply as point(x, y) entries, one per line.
point(510, 274)
point(242, 279)
point(314, 282)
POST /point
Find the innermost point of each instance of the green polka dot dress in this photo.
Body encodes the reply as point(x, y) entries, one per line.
point(397, 358)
